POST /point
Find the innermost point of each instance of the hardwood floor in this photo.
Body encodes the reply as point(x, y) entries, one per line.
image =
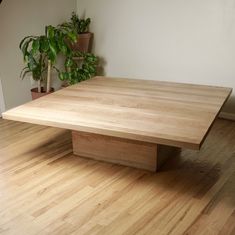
point(45, 189)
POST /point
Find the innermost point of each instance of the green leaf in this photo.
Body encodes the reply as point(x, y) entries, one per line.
point(44, 45)
point(72, 36)
point(64, 49)
point(50, 31)
point(24, 39)
point(32, 64)
point(62, 46)
point(69, 62)
point(35, 46)
point(63, 76)
point(53, 51)
point(88, 21)
point(25, 73)
point(51, 57)
point(23, 70)
point(36, 74)
point(25, 48)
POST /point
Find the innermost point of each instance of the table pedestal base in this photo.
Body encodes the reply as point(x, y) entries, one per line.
point(126, 152)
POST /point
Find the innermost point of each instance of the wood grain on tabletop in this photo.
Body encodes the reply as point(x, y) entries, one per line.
point(158, 112)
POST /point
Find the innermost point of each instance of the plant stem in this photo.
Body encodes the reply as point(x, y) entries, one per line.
point(39, 86)
point(48, 77)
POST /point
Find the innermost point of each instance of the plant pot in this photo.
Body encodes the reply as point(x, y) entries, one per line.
point(83, 43)
point(35, 94)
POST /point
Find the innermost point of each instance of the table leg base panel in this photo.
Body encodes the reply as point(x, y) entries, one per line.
point(125, 152)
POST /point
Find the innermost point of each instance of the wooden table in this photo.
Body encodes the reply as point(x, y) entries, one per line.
point(132, 122)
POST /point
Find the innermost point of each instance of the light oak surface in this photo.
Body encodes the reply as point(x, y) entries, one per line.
point(45, 189)
point(151, 111)
point(115, 150)
point(126, 152)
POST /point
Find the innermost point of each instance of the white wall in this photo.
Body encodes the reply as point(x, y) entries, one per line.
point(2, 101)
point(19, 19)
point(189, 41)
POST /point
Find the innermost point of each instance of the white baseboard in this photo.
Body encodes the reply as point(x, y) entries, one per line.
point(228, 116)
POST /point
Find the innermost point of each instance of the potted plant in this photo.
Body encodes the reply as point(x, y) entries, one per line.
point(81, 27)
point(40, 54)
point(80, 66)
point(35, 64)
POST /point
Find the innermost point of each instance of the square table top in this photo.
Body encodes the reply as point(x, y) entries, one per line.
point(158, 112)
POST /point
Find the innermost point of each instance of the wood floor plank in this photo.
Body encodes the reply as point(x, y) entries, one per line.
point(45, 189)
